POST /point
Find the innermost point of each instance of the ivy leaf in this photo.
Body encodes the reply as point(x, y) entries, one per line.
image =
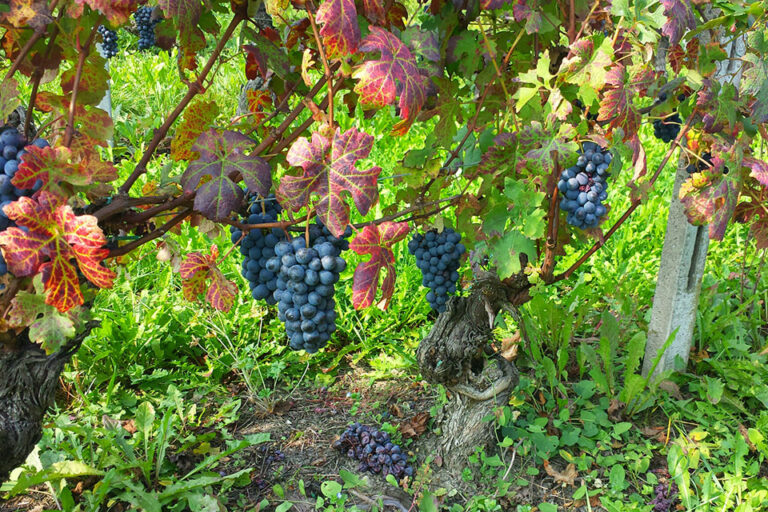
point(198, 117)
point(376, 240)
point(340, 31)
point(330, 177)
point(195, 272)
point(49, 236)
point(617, 104)
point(394, 74)
point(222, 156)
point(680, 18)
point(47, 326)
point(9, 97)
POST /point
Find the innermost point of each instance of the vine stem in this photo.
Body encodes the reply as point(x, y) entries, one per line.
point(38, 76)
point(125, 249)
point(548, 266)
point(326, 67)
point(635, 203)
point(84, 52)
point(194, 88)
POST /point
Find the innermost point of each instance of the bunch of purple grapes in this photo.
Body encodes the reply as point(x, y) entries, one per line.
point(665, 497)
point(305, 286)
point(438, 256)
point(146, 27)
point(109, 41)
point(375, 451)
point(667, 129)
point(12, 150)
point(584, 187)
point(258, 246)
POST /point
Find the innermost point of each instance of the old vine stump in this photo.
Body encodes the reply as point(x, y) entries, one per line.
point(456, 354)
point(28, 382)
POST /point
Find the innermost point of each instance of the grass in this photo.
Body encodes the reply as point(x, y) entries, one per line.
point(200, 371)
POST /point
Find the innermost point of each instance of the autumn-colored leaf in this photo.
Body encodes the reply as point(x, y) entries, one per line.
point(263, 56)
point(759, 169)
point(329, 176)
point(198, 117)
point(415, 426)
point(47, 326)
point(91, 121)
point(340, 31)
point(617, 106)
point(9, 97)
point(26, 13)
point(48, 238)
point(116, 11)
point(680, 18)
point(187, 15)
point(566, 477)
point(258, 102)
point(394, 74)
point(223, 155)
point(376, 240)
point(195, 273)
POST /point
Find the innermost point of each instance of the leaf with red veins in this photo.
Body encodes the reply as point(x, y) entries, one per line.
point(224, 155)
point(710, 197)
point(374, 11)
point(759, 169)
point(394, 74)
point(340, 31)
point(680, 18)
point(53, 167)
point(195, 272)
point(330, 176)
point(54, 236)
point(116, 11)
point(617, 106)
point(376, 240)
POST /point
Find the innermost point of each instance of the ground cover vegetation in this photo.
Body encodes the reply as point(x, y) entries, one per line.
point(518, 133)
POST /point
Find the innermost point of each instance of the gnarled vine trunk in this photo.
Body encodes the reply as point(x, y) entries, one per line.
point(456, 353)
point(28, 382)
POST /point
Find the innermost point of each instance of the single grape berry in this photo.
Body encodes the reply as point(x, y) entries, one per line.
point(584, 187)
point(438, 256)
point(667, 129)
point(375, 451)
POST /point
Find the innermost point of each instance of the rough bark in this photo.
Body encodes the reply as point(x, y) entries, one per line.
point(28, 381)
point(455, 354)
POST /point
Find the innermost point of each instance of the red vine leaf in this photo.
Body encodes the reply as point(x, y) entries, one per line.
point(759, 169)
point(330, 176)
point(340, 31)
point(223, 155)
point(116, 11)
point(195, 272)
point(680, 17)
point(264, 56)
point(616, 106)
point(376, 240)
point(51, 237)
point(54, 167)
point(90, 121)
point(187, 14)
point(198, 117)
point(710, 197)
point(394, 74)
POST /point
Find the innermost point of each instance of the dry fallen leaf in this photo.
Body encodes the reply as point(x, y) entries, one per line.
point(660, 433)
point(745, 435)
point(566, 477)
point(415, 426)
point(130, 426)
point(614, 410)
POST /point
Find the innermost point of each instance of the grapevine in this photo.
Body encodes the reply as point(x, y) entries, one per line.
point(146, 27)
point(109, 41)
